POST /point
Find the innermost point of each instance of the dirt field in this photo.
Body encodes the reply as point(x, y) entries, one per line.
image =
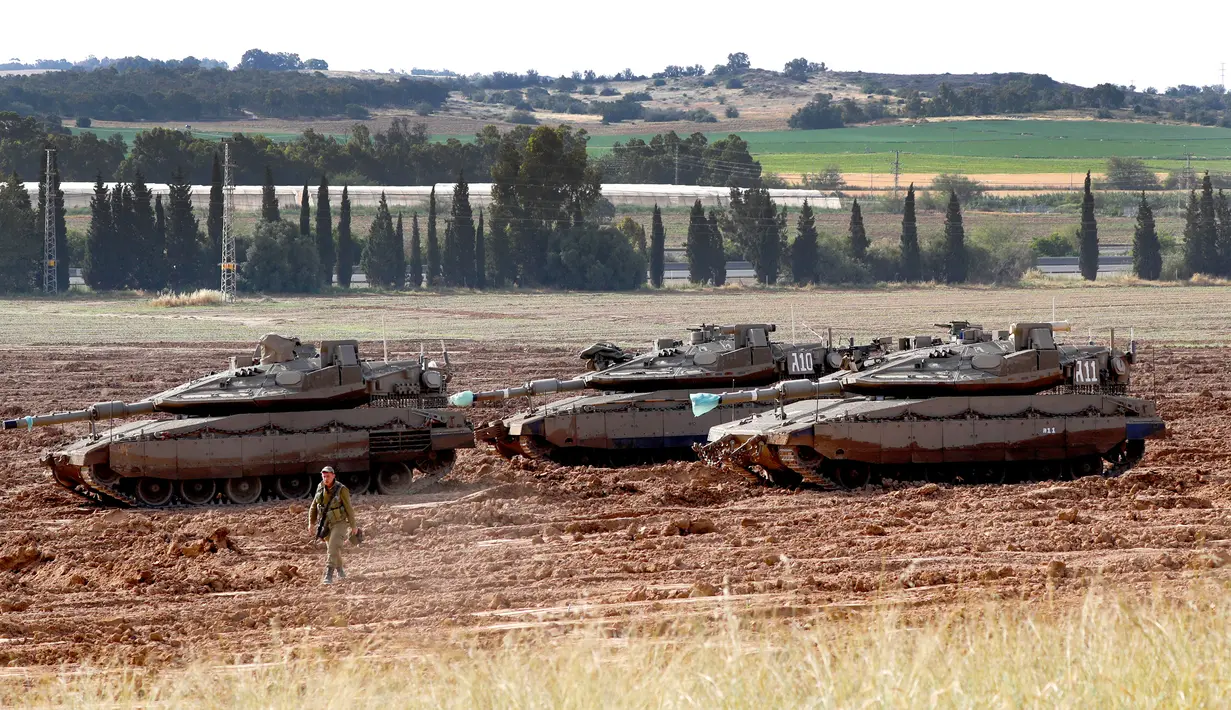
point(503, 546)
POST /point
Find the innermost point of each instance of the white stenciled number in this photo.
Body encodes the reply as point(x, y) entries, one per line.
point(1085, 372)
point(801, 363)
point(1049, 430)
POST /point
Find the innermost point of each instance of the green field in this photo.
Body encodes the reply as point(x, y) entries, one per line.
point(991, 146)
point(983, 146)
point(129, 133)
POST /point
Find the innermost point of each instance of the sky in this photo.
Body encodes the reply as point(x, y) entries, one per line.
point(1084, 42)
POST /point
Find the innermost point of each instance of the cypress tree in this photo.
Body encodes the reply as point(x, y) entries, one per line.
point(21, 241)
point(859, 237)
point(1192, 238)
point(346, 247)
point(398, 256)
point(448, 256)
point(658, 246)
point(718, 266)
point(1147, 253)
point(1088, 236)
point(416, 253)
point(697, 248)
point(213, 220)
point(158, 241)
point(305, 213)
point(501, 262)
point(955, 242)
point(462, 243)
point(126, 247)
point(1222, 210)
point(100, 244)
point(269, 199)
point(480, 256)
point(324, 233)
point(147, 267)
point(910, 238)
point(1207, 230)
point(183, 235)
point(380, 266)
point(433, 246)
point(804, 265)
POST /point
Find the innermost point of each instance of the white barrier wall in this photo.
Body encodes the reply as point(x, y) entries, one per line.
point(248, 197)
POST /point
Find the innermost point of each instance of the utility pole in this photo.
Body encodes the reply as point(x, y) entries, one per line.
point(897, 170)
point(51, 284)
point(228, 232)
point(677, 165)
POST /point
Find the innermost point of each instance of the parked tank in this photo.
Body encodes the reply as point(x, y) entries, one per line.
point(267, 427)
point(977, 410)
point(643, 400)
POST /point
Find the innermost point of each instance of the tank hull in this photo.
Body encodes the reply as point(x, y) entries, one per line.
point(279, 449)
point(820, 441)
point(659, 422)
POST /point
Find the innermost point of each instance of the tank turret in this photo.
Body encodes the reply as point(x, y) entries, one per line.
point(639, 401)
point(974, 408)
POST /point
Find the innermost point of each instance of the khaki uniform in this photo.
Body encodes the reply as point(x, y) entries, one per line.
point(338, 517)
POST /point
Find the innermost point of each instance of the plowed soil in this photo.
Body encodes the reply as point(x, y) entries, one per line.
point(506, 545)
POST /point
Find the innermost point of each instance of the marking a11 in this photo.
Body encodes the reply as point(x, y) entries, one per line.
point(1085, 372)
point(800, 363)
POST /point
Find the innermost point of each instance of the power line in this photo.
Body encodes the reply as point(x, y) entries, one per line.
point(51, 281)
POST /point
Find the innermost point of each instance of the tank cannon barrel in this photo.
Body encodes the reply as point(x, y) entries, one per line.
point(94, 412)
point(703, 403)
point(534, 387)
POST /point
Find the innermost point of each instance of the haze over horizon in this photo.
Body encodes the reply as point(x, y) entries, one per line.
point(1079, 44)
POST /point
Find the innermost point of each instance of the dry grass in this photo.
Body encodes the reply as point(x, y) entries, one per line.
point(1165, 313)
point(1103, 652)
point(200, 297)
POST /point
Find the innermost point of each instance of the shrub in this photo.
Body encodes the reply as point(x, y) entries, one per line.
point(732, 112)
point(660, 82)
point(638, 96)
point(658, 115)
point(596, 259)
point(423, 108)
point(828, 179)
point(83, 122)
point(997, 255)
point(701, 115)
point(587, 90)
point(609, 91)
point(837, 266)
point(1055, 244)
point(820, 112)
point(707, 83)
point(280, 260)
point(965, 188)
point(1130, 174)
point(735, 83)
point(524, 118)
point(357, 112)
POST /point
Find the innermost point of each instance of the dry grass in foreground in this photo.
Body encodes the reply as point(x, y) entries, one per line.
point(200, 297)
point(1104, 652)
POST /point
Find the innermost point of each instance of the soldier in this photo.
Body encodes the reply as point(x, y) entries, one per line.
point(332, 507)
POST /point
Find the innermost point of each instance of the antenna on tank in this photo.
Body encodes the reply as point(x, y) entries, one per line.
point(1053, 309)
point(384, 335)
point(793, 325)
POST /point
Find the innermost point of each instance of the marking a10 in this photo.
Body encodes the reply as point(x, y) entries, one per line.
point(1085, 372)
point(800, 363)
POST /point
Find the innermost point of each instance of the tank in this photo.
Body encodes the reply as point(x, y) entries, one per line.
point(266, 427)
point(638, 403)
point(979, 409)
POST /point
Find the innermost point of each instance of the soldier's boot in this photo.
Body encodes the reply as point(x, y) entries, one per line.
point(341, 573)
point(328, 578)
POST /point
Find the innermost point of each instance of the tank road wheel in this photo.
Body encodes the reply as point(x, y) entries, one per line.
point(852, 474)
point(293, 486)
point(438, 464)
point(1086, 466)
point(243, 490)
point(394, 478)
point(154, 492)
point(533, 447)
point(104, 475)
point(1124, 456)
point(197, 491)
point(357, 481)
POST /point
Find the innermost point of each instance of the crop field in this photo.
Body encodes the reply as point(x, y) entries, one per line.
point(978, 147)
